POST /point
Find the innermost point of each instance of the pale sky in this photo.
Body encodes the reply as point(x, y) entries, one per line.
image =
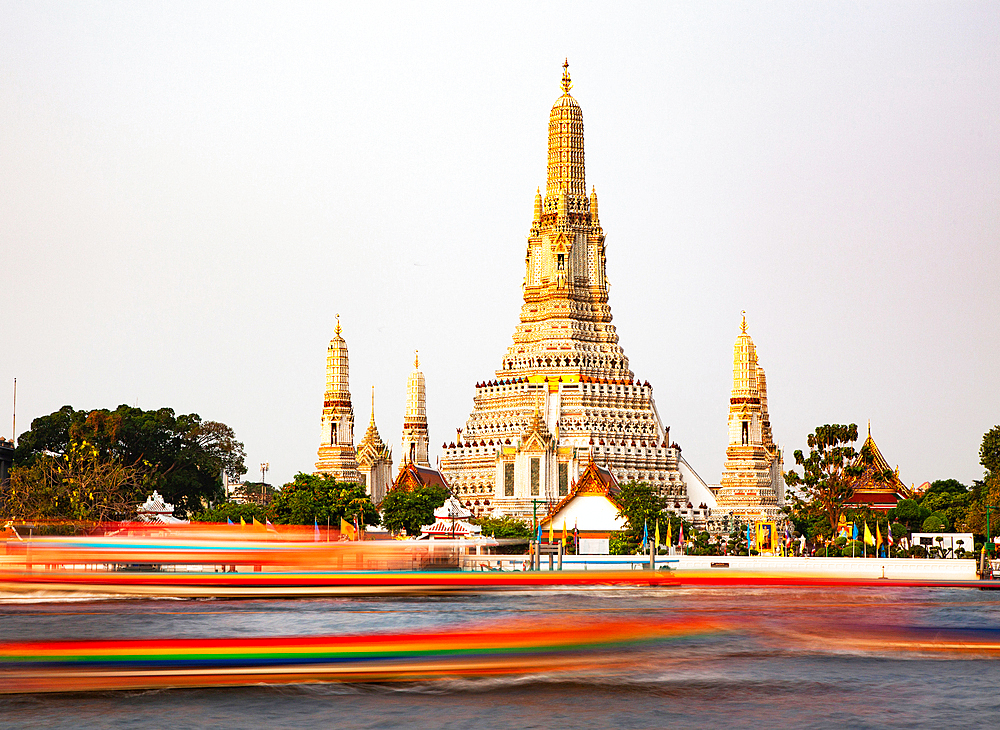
point(189, 192)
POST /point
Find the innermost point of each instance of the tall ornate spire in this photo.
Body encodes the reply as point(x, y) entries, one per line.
point(564, 375)
point(416, 438)
point(752, 484)
point(566, 173)
point(374, 460)
point(336, 452)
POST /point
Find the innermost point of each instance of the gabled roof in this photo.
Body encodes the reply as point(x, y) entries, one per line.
point(536, 434)
point(413, 477)
point(875, 466)
point(595, 480)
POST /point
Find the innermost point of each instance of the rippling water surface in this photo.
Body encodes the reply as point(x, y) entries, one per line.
point(802, 657)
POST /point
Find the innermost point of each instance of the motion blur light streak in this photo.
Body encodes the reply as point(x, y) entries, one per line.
point(519, 648)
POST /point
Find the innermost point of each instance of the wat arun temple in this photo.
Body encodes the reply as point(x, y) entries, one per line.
point(563, 396)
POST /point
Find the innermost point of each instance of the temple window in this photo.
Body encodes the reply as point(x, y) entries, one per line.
point(508, 480)
point(563, 480)
point(561, 261)
point(746, 433)
point(535, 470)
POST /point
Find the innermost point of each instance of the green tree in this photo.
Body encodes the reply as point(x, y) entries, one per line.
point(951, 498)
point(81, 485)
point(231, 511)
point(986, 493)
point(989, 452)
point(641, 508)
point(505, 528)
point(310, 499)
point(935, 523)
point(828, 473)
point(410, 510)
point(183, 456)
point(502, 527)
point(909, 513)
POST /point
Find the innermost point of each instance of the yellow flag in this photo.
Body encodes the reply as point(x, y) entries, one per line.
point(869, 539)
point(670, 538)
point(656, 537)
point(550, 533)
point(243, 523)
point(347, 528)
point(878, 534)
point(564, 533)
point(257, 525)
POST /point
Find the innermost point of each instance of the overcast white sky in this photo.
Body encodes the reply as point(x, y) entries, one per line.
point(189, 192)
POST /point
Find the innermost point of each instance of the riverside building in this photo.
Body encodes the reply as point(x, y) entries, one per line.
point(564, 395)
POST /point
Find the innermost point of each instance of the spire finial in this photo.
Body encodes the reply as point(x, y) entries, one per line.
point(336, 330)
point(416, 359)
point(744, 325)
point(869, 428)
point(566, 83)
point(373, 405)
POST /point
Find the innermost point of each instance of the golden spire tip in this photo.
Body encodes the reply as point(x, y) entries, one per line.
point(337, 328)
point(744, 325)
point(416, 359)
point(567, 84)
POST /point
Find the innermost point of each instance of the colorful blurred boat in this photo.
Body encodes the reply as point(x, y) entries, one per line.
point(517, 648)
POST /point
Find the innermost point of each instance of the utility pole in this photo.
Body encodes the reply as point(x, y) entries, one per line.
point(263, 470)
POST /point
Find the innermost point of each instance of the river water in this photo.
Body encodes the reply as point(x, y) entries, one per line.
point(786, 657)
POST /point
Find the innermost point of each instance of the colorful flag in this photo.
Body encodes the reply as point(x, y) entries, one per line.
point(878, 534)
point(357, 529)
point(670, 537)
point(564, 534)
point(243, 523)
point(229, 521)
point(576, 538)
point(680, 536)
point(551, 540)
point(888, 533)
point(645, 534)
point(347, 529)
point(268, 525)
point(854, 530)
point(656, 537)
point(315, 530)
point(869, 538)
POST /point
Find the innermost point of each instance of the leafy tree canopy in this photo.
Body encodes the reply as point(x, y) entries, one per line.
point(989, 452)
point(828, 474)
point(309, 499)
point(934, 523)
point(946, 486)
point(80, 486)
point(642, 508)
point(502, 527)
point(411, 510)
point(231, 511)
point(183, 456)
